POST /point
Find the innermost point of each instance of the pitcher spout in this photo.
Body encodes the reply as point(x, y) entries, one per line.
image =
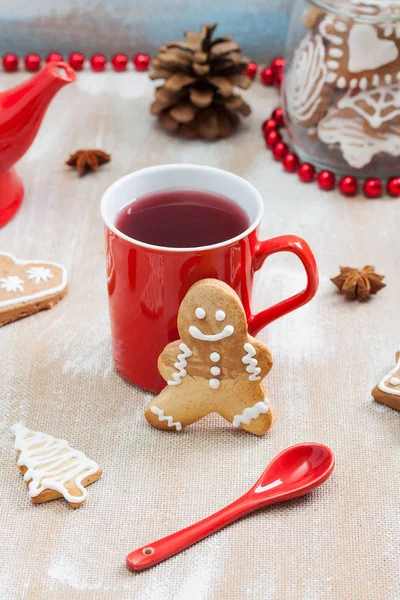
point(22, 110)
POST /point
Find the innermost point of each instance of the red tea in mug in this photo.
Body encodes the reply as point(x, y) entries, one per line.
point(182, 218)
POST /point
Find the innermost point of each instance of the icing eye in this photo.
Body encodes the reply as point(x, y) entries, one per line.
point(200, 313)
point(220, 315)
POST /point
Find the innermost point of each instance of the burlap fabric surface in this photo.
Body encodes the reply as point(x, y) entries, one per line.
point(57, 376)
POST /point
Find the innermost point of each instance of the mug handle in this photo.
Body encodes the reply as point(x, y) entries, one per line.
point(299, 247)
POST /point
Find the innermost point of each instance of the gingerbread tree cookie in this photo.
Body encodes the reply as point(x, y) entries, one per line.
point(51, 468)
point(388, 389)
point(215, 366)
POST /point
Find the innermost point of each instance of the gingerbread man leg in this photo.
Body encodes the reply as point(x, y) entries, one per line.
point(251, 410)
point(175, 408)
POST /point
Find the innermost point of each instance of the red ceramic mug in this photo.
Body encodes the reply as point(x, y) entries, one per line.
point(147, 283)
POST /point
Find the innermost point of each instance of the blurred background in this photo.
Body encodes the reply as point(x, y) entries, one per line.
point(131, 26)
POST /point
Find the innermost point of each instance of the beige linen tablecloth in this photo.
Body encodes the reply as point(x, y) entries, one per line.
point(57, 376)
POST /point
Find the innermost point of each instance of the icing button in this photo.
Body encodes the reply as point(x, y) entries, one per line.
point(394, 381)
point(215, 371)
point(215, 357)
point(214, 383)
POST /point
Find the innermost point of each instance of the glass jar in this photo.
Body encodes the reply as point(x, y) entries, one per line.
point(341, 92)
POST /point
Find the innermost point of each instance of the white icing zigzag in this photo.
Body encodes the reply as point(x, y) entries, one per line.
point(181, 365)
point(161, 417)
point(51, 463)
point(376, 106)
point(252, 362)
point(250, 413)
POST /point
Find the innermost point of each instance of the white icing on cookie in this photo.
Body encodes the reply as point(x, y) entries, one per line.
point(393, 379)
point(328, 22)
point(212, 337)
point(181, 365)
point(357, 146)
point(367, 51)
point(161, 417)
point(37, 295)
point(12, 284)
point(377, 106)
point(308, 74)
point(51, 463)
point(220, 315)
point(251, 412)
point(215, 357)
point(215, 371)
point(200, 313)
point(39, 274)
point(214, 383)
point(252, 362)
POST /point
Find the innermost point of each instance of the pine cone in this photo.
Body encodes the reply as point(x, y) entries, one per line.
point(197, 98)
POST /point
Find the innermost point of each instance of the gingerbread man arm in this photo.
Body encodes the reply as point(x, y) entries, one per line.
point(262, 355)
point(172, 361)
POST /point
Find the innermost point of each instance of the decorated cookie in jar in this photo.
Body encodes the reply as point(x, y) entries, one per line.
point(342, 85)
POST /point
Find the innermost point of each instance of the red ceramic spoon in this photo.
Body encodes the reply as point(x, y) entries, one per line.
point(294, 472)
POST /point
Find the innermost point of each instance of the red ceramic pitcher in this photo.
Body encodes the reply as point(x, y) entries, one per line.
point(146, 283)
point(21, 112)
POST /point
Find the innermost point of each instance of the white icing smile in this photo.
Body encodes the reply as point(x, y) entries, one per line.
point(213, 337)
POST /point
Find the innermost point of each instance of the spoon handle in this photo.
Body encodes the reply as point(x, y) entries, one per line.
point(152, 554)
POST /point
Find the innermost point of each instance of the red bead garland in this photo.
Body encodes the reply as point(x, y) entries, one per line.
point(119, 62)
point(280, 150)
point(326, 180)
point(348, 185)
point(272, 138)
point(291, 162)
point(269, 125)
point(54, 57)
point(306, 172)
point(141, 62)
point(277, 114)
point(267, 76)
point(251, 70)
point(32, 62)
point(393, 187)
point(373, 187)
point(76, 60)
point(10, 62)
point(98, 62)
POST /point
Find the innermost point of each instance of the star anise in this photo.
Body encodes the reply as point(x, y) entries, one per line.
point(88, 160)
point(358, 284)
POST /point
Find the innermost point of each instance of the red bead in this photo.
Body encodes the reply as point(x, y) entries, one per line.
point(120, 62)
point(306, 172)
point(278, 64)
point(348, 185)
point(141, 62)
point(280, 150)
point(272, 138)
point(76, 60)
point(269, 125)
point(373, 187)
point(32, 62)
point(267, 76)
point(290, 162)
point(98, 62)
point(54, 57)
point(10, 62)
point(277, 115)
point(393, 186)
point(251, 70)
point(279, 79)
point(326, 180)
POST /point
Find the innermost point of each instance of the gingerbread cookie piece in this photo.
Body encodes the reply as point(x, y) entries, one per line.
point(215, 366)
point(378, 107)
point(26, 287)
point(360, 55)
point(51, 468)
point(308, 92)
point(388, 389)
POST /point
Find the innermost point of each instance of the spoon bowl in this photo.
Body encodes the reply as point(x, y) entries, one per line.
point(294, 472)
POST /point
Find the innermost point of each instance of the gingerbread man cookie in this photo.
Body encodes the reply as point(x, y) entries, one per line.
point(215, 366)
point(388, 389)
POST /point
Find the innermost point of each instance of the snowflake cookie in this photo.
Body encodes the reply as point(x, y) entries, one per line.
point(51, 468)
point(388, 389)
point(27, 287)
point(215, 366)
